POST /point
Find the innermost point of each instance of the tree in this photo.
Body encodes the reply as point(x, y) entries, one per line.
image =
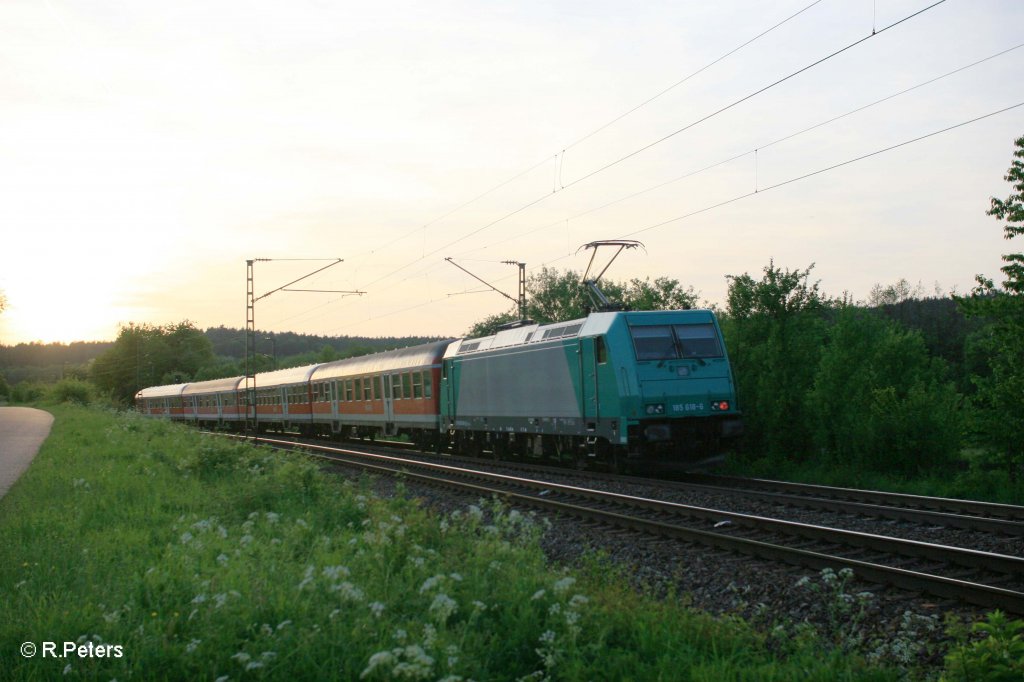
point(774, 329)
point(555, 296)
point(1001, 393)
point(144, 355)
point(880, 401)
point(3, 302)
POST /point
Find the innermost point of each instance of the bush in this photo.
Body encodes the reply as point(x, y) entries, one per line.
point(25, 392)
point(72, 391)
point(879, 401)
point(999, 656)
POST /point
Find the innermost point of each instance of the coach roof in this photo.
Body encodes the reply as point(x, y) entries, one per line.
point(168, 391)
point(213, 386)
point(424, 355)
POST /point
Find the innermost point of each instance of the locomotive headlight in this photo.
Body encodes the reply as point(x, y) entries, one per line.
point(658, 408)
point(721, 405)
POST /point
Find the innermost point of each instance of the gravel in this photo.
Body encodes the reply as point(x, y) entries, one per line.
point(887, 624)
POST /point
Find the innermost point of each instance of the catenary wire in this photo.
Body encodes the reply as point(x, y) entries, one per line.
point(746, 153)
point(738, 198)
point(545, 196)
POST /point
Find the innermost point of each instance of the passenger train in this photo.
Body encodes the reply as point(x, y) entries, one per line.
point(612, 388)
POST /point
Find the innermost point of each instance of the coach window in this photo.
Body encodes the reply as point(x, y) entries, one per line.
point(378, 387)
point(349, 396)
point(417, 384)
point(359, 388)
point(406, 385)
point(367, 388)
point(428, 380)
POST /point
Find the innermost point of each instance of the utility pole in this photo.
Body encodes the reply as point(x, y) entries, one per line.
point(251, 413)
point(522, 287)
point(521, 302)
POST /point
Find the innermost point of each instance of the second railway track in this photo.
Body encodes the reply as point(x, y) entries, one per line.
point(987, 579)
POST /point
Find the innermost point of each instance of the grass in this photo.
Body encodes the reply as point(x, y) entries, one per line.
point(208, 560)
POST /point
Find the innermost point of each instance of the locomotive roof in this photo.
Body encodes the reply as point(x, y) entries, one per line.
point(424, 355)
point(170, 390)
point(213, 386)
point(594, 324)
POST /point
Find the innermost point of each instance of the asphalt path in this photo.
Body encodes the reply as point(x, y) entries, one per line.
point(22, 431)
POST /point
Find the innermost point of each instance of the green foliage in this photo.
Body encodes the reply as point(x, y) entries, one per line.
point(774, 331)
point(5, 388)
point(555, 296)
point(72, 391)
point(879, 401)
point(145, 355)
point(998, 656)
point(27, 392)
point(1000, 396)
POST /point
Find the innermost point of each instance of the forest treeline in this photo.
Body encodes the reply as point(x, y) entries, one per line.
point(144, 350)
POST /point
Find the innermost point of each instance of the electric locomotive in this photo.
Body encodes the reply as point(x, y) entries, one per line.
point(612, 387)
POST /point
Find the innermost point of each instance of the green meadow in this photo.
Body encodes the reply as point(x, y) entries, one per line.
point(180, 556)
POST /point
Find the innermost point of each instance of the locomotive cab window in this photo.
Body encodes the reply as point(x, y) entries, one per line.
point(653, 342)
point(697, 341)
point(664, 342)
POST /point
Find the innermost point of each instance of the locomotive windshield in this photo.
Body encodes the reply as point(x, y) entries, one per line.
point(671, 342)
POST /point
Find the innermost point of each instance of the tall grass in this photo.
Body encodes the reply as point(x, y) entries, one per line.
point(208, 560)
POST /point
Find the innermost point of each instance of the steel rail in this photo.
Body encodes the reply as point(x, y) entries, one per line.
point(967, 514)
point(960, 506)
point(977, 593)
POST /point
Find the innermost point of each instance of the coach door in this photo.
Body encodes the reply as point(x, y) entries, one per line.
point(392, 382)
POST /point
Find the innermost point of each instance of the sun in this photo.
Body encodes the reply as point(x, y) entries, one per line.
point(57, 314)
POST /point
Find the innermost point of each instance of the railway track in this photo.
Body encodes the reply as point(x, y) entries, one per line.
point(982, 578)
point(986, 517)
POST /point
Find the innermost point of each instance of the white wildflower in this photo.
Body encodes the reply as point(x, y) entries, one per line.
point(379, 660)
point(377, 608)
point(562, 586)
point(430, 583)
point(443, 607)
point(192, 646)
point(335, 572)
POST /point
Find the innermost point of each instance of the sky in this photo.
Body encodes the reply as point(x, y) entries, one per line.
point(148, 150)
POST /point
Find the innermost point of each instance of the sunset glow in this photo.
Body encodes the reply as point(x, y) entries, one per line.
point(148, 150)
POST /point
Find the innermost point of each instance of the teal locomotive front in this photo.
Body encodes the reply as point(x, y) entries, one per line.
point(613, 386)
